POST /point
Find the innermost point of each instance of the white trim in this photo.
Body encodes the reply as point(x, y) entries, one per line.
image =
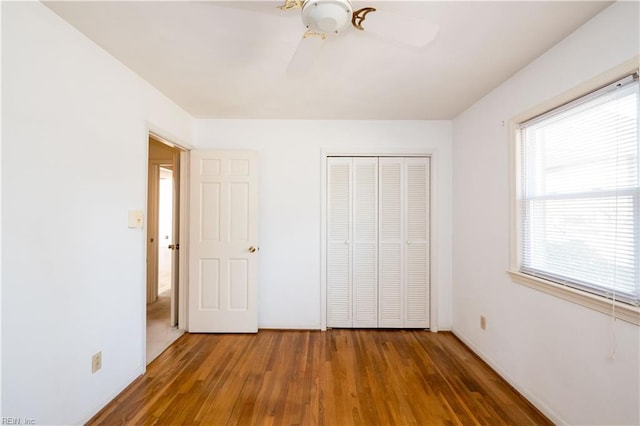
point(183, 273)
point(623, 311)
point(175, 225)
point(600, 80)
point(558, 110)
point(544, 408)
point(433, 231)
point(138, 372)
point(309, 327)
point(143, 287)
point(323, 241)
point(514, 194)
point(434, 241)
point(167, 138)
point(156, 132)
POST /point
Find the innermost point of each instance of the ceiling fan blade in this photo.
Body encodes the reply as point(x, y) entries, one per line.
point(305, 55)
point(290, 4)
point(281, 8)
point(404, 29)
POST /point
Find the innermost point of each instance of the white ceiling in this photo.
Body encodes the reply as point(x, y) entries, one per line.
point(229, 59)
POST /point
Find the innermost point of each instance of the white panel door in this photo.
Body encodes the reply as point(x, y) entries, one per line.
point(223, 246)
point(365, 242)
point(416, 313)
point(391, 276)
point(339, 256)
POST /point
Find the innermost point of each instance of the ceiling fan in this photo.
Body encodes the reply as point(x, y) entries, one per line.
point(328, 18)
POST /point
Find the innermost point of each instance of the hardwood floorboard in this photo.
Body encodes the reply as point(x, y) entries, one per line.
point(337, 377)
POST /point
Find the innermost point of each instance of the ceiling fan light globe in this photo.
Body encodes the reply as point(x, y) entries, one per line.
point(327, 16)
point(327, 25)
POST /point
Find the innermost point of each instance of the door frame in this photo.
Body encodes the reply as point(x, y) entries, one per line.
point(161, 135)
point(433, 154)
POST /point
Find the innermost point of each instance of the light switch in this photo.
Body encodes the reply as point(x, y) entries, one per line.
point(135, 219)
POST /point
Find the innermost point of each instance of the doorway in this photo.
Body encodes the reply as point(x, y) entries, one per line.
point(163, 201)
point(165, 230)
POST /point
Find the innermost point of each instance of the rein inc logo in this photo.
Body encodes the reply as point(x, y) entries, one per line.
point(17, 421)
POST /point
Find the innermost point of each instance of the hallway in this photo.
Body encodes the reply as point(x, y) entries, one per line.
point(160, 335)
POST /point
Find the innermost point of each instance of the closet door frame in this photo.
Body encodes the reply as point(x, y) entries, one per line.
point(433, 221)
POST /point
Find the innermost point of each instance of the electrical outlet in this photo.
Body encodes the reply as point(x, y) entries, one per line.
point(96, 362)
point(483, 322)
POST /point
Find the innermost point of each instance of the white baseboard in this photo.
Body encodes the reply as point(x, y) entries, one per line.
point(137, 373)
point(290, 327)
point(544, 408)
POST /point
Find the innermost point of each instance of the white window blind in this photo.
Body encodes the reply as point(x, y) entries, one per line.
point(579, 205)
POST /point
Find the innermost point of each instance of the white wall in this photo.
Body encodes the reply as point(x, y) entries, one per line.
point(74, 140)
point(0, 223)
point(555, 352)
point(290, 201)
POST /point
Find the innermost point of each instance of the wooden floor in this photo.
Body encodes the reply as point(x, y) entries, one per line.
point(337, 377)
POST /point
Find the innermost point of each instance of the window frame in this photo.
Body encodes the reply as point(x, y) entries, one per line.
point(617, 309)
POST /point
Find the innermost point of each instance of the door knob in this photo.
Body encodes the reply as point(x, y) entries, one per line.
point(171, 247)
point(253, 249)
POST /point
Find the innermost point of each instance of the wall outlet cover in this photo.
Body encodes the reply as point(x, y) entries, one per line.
point(96, 362)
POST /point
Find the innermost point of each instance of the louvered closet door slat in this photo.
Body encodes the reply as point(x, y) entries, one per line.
point(391, 230)
point(339, 199)
point(417, 252)
point(365, 242)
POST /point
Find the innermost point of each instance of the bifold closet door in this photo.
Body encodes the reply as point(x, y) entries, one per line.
point(417, 263)
point(352, 235)
point(378, 242)
point(365, 242)
point(403, 274)
point(391, 243)
point(339, 305)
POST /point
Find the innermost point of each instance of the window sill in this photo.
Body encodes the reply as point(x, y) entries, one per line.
point(623, 311)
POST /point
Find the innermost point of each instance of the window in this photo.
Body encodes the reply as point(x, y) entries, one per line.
point(578, 194)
